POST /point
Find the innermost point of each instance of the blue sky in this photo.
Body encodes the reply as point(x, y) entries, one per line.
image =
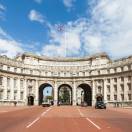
point(89, 27)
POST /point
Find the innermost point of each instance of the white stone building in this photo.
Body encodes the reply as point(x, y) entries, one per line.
point(23, 79)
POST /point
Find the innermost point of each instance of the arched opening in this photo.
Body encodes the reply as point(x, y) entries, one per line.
point(65, 95)
point(46, 94)
point(84, 95)
point(99, 97)
point(30, 100)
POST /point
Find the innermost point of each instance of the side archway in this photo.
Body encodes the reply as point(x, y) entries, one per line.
point(46, 93)
point(30, 100)
point(65, 94)
point(84, 95)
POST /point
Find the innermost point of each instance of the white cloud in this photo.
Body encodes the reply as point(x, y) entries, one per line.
point(9, 46)
point(2, 7)
point(69, 3)
point(38, 1)
point(2, 10)
point(36, 16)
point(109, 29)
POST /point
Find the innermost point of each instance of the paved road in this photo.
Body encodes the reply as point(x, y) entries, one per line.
point(65, 119)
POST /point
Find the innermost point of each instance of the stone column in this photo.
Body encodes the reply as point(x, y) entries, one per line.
point(36, 93)
point(18, 88)
point(125, 89)
point(74, 101)
point(105, 90)
point(112, 90)
point(5, 87)
point(118, 90)
point(12, 88)
point(93, 93)
point(25, 90)
point(55, 93)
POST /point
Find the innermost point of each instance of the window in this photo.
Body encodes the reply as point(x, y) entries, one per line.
point(8, 68)
point(108, 80)
point(115, 79)
point(21, 95)
point(115, 88)
point(21, 83)
point(1, 94)
point(15, 82)
point(122, 79)
point(30, 89)
point(122, 97)
point(8, 82)
point(15, 95)
point(21, 70)
point(108, 88)
point(115, 97)
point(31, 71)
point(15, 69)
point(1, 79)
point(108, 97)
point(8, 95)
point(122, 88)
point(129, 78)
point(129, 97)
point(1, 66)
point(129, 86)
point(99, 89)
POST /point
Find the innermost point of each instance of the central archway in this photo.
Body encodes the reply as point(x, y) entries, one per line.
point(46, 93)
point(84, 95)
point(65, 95)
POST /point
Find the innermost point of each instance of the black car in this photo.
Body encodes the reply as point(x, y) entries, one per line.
point(100, 105)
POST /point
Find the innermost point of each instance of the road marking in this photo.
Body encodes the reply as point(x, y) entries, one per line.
point(45, 112)
point(93, 123)
point(38, 118)
point(33, 122)
point(81, 114)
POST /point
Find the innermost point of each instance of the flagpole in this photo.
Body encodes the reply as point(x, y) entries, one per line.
point(61, 28)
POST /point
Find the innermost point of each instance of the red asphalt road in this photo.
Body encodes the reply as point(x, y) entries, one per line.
point(66, 119)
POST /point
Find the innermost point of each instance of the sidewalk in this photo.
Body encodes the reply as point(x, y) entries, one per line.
point(12, 108)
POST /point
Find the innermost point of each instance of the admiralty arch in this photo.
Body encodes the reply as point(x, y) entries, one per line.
point(92, 77)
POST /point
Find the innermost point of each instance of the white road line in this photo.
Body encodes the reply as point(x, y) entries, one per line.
point(93, 123)
point(81, 114)
point(30, 124)
point(33, 122)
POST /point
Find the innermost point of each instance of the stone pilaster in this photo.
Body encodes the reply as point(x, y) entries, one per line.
point(5, 87)
point(12, 88)
point(105, 90)
point(125, 89)
point(36, 93)
point(93, 93)
point(25, 90)
point(55, 94)
point(18, 88)
point(74, 93)
point(118, 89)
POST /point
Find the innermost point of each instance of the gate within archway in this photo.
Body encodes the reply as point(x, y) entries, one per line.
point(30, 100)
point(84, 95)
point(46, 93)
point(64, 95)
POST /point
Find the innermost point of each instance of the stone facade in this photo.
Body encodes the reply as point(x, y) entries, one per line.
point(22, 77)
